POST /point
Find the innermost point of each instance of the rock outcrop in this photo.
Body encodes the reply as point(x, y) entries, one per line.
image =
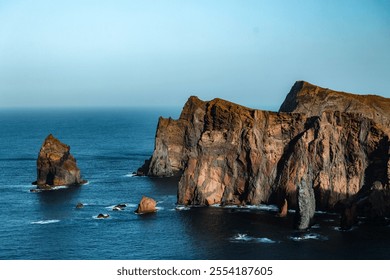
point(323, 150)
point(102, 216)
point(56, 166)
point(146, 205)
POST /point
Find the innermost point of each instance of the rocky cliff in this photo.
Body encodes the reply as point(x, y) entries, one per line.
point(324, 150)
point(56, 166)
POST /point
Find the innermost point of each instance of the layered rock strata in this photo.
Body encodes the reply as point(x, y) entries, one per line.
point(56, 166)
point(323, 150)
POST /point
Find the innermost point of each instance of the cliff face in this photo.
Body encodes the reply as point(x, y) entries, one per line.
point(325, 153)
point(56, 166)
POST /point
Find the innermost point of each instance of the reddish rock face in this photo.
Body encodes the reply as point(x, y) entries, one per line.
point(311, 157)
point(56, 166)
point(146, 205)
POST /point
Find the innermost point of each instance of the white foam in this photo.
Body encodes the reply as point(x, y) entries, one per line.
point(340, 229)
point(181, 208)
point(265, 240)
point(315, 226)
point(44, 222)
point(59, 187)
point(130, 175)
point(264, 207)
point(243, 237)
point(308, 236)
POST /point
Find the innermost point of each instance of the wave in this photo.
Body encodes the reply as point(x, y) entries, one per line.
point(243, 237)
point(340, 229)
point(308, 236)
point(263, 207)
point(44, 222)
point(59, 188)
point(130, 175)
point(182, 208)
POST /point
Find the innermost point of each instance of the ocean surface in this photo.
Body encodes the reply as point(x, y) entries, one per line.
point(110, 144)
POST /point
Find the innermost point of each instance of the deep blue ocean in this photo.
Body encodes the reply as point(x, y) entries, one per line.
point(110, 144)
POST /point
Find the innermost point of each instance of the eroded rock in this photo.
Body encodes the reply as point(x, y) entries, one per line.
point(146, 205)
point(324, 150)
point(56, 166)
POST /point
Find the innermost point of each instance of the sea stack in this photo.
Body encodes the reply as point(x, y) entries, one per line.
point(323, 150)
point(56, 166)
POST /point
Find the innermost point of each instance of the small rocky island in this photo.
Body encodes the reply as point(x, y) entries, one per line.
point(323, 150)
point(56, 166)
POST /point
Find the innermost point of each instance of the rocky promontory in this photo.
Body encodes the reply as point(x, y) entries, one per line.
point(324, 150)
point(56, 166)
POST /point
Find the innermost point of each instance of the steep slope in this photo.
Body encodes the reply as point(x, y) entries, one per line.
point(56, 166)
point(320, 159)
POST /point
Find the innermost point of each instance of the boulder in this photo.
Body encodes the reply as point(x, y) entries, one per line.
point(146, 205)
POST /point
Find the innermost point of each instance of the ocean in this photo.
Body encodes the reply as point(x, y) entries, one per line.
point(109, 145)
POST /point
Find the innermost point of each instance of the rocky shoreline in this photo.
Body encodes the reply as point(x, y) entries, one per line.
point(324, 150)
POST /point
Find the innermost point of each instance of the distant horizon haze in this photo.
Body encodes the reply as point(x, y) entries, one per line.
point(89, 54)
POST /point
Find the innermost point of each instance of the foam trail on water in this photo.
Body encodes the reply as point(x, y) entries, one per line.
point(308, 236)
point(44, 222)
point(181, 208)
point(243, 237)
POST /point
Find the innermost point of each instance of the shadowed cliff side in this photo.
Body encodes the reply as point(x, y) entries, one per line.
point(313, 157)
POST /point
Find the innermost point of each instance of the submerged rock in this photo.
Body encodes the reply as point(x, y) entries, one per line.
point(79, 205)
point(103, 216)
point(321, 148)
point(56, 166)
point(119, 207)
point(146, 205)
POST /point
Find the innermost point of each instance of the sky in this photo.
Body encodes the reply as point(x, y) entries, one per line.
point(125, 53)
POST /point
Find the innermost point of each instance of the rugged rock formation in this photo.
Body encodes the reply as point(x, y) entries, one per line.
point(328, 148)
point(56, 166)
point(146, 205)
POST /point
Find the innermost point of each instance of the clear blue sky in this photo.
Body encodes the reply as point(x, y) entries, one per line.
point(138, 53)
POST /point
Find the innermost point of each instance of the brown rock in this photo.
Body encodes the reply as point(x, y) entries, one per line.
point(284, 209)
point(146, 205)
point(314, 157)
point(56, 166)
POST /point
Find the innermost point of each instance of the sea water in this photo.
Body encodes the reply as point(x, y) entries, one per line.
point(109, 145)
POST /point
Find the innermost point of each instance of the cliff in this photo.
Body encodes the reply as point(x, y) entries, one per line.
point(56, 166)
point(324, 150)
